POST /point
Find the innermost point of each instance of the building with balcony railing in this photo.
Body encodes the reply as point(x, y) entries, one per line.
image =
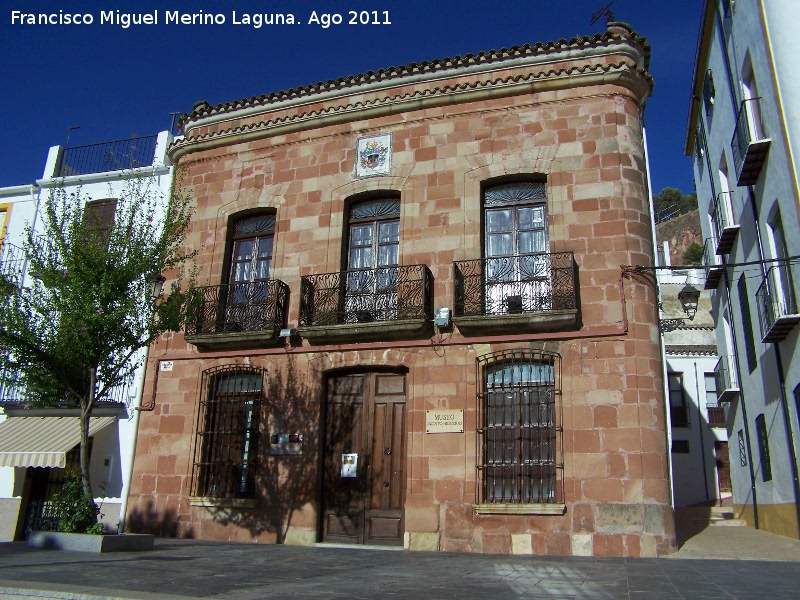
point(462, 365)
point(38, 445)
point(746, 173)
point(697, 432)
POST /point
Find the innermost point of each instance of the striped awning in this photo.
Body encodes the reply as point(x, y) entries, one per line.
point(43, 441)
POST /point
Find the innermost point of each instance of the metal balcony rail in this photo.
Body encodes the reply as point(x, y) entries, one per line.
point(238, 307)
point(107, 156)
point(777, 303)
point(369, 295)
point(13, 389)
point(12, 264)
point(712, 263)
point(750, 142)
point(722, 213)
point(515, 284)
point(726, 379)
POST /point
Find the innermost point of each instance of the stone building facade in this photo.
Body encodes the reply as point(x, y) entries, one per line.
point(415, 327)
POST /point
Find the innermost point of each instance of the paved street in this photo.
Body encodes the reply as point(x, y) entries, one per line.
point(196, 569)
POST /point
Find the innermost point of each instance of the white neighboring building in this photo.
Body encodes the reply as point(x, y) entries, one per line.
point(35, 444)
point(744, 134)
point(698, 437)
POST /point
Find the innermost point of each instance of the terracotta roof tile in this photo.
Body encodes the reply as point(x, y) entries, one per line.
point(204, 109)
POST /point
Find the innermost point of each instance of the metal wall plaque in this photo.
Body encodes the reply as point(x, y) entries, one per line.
point(286, 443)
point(444, 421)
point(349, 465)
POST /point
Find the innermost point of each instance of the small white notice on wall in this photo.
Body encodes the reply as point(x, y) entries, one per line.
point(444, 421)
point(166, 365)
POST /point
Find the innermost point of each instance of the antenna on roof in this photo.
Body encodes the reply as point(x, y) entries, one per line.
point(603, 11)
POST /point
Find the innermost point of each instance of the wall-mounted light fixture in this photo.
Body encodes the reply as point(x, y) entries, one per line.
point(689, 297)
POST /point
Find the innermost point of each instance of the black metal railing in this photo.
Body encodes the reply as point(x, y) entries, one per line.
point(722, 213)
point(238, 307)
point(726, 380)
point(42, 516)
point(775, 297)
point(749, 129)
point(369, 295)
point(711, 259)
point(108, 156)
point(12, 265)
point(515, 284)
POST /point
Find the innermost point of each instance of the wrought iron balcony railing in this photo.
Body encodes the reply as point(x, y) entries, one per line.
point(726, 379)
point(777, 303)
point(750, 143)
point(536, 283)
point(712, 264)
point(377, 295)
point(725, 226)
point(108, 156)
point(239, 308)
point(12, 265)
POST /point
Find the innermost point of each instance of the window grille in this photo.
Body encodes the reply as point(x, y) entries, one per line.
point(763, 448)
point(742, 449)
point(519, 427)
point(709, 93)
point(226, 444)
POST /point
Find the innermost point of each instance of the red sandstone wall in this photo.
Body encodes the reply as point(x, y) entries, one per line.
point(588, 144)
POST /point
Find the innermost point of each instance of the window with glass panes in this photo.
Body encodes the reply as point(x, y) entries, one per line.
point(678, 409)
point(373, 253)
point(252, 249)
point(226, 445)
point(518, 427)
point(374, 243)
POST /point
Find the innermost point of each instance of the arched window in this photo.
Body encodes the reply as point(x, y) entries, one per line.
point(516, 247)
point(519, 423)
point(372, 256)
point(249, 273)
point(252, 249)
point(226, 445)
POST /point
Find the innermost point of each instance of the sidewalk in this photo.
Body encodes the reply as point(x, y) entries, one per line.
point(744, 563)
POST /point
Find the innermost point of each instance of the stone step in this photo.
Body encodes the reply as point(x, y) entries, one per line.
point(715, 515)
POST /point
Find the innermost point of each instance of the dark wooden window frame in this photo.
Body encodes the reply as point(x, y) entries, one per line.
point(227, 433)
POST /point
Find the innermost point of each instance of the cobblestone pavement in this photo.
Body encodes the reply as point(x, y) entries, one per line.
point(196, 569)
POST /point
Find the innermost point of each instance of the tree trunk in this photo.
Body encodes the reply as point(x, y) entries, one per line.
point(87, 404)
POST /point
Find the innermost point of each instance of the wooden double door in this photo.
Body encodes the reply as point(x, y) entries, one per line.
point(364, 480)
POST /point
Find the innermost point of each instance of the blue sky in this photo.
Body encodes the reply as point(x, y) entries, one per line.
point(115, 82)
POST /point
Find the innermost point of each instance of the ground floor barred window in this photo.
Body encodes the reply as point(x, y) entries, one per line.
point(519, 427)
point(226, 444)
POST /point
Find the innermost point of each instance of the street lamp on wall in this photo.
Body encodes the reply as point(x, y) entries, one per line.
point(689, 297)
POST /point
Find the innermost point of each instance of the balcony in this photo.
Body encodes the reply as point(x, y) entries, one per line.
point(777, 304)
point(515, 294)
point(12, 262)
point(716, 415)
point(726, 228)
point(726, 379)
point(712, 264)
point(235, 316)
point(750, 143)
point(383, 304)
point(107, 156)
